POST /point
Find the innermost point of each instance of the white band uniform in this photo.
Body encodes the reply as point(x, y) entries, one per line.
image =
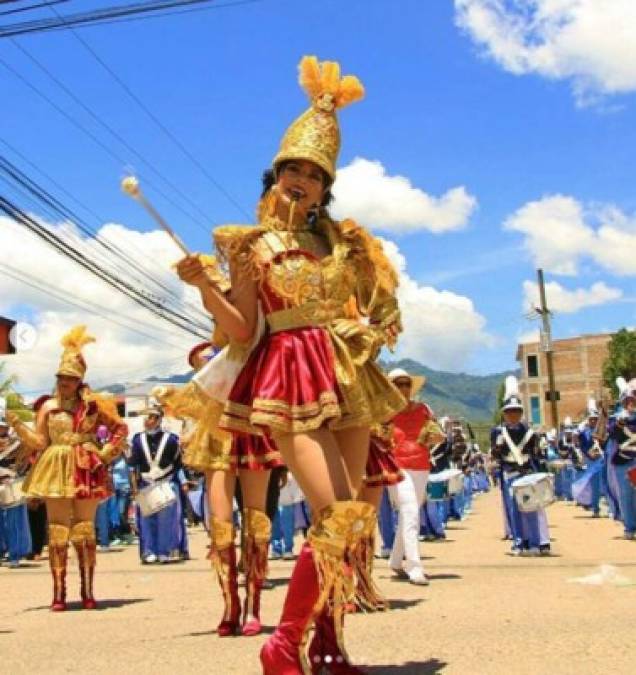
point(159, 494)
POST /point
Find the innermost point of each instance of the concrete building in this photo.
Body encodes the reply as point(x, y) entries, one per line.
point(578, 374)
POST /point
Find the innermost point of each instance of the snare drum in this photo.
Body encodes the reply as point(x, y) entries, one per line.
point(533, 492)
point(11, 493)
point(455, 481)
point(155, 497)
point(437, 488)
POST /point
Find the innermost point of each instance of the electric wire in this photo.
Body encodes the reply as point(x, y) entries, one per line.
point(120, 161)
point(84, 305)
point(14, 212)
point(113, 132)
point(158, 123)
point(60, 210)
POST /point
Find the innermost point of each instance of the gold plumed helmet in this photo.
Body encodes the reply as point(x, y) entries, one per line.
point(315, 135)
point(72, 362)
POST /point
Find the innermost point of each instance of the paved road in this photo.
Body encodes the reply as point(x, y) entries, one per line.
point(485, 611)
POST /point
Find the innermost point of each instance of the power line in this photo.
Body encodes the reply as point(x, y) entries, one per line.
point(121, 162)
point(29, 280)
point(97, 16)
point(50, 202)
point(121, 285)
point(110, 130)
point(159, 124)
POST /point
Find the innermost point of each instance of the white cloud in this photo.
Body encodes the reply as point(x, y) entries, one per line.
point(365, 192)
point(121, 353)
point(560, 299)
point(560, 233)
point(529, 337)
point(441, 329)
point(591, 43)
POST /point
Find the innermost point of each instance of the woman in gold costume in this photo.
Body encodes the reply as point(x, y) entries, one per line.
point(223, 458)
point(70, 471)
point(311, 382)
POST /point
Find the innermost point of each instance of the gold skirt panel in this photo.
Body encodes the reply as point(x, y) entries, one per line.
point(52, 474)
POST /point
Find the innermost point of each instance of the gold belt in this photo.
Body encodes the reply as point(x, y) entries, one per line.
point(71, 438)
point(304, 316)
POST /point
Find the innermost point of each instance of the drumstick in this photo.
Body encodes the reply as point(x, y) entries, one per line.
point(130, 185)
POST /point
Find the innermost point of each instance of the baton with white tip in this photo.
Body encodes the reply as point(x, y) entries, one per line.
point(130, 185)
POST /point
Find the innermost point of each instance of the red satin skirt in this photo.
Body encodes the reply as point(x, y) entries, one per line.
point(256, 453)
point(288, 385)
point(381, 470)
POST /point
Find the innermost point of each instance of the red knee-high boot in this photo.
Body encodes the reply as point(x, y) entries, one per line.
point(318, 577)
point(58, 557)
point(84, 540)
point(258, 532)
point(223, 557)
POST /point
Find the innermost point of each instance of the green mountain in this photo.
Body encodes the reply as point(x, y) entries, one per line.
point(473, 397)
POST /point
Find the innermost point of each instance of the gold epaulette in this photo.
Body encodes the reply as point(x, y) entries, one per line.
point(234, 244)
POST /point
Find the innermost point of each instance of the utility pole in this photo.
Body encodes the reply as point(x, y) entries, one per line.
point(546, 346)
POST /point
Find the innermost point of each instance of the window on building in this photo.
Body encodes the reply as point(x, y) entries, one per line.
point(535, 410)
point(532, 363)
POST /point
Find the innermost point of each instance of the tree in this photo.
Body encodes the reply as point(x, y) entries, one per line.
point(6, 383)
point(621, 359)
point(501, 392)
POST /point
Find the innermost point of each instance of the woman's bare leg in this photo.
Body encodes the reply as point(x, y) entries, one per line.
point(318, 465)
point(254, 488)
point(220, 488)
point(371, 495)
point(59, 511)
point(84, 509)
point(354, 445)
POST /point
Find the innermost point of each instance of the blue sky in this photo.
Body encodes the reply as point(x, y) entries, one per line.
point(438, 111)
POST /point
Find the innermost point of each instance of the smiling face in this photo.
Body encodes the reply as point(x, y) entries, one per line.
point(303, 182)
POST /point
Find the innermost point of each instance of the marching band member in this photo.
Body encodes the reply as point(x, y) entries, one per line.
point(155, 456)
point(593, 455)
point(571, 455)
point(413, 458)
point(515, 446)
point(622, 438)
point(71, 472)
point(311, 382)
point(15, 534)
point(434, 512)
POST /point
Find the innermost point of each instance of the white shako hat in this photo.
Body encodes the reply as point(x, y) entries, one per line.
point(592, 408)
point(512, 400)
point(567, 425)
point(626, 389)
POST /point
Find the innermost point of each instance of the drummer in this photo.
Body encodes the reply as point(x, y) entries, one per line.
point(592, 453)
point(15, 535)
point(622, 436)
point(162, 536)
point(515, 446)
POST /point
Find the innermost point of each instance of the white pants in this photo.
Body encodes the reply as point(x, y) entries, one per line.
point(408, 496)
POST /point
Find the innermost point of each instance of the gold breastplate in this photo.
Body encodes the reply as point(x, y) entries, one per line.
point(61, 430)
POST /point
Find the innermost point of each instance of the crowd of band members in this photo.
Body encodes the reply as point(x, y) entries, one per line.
point(588, 466)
